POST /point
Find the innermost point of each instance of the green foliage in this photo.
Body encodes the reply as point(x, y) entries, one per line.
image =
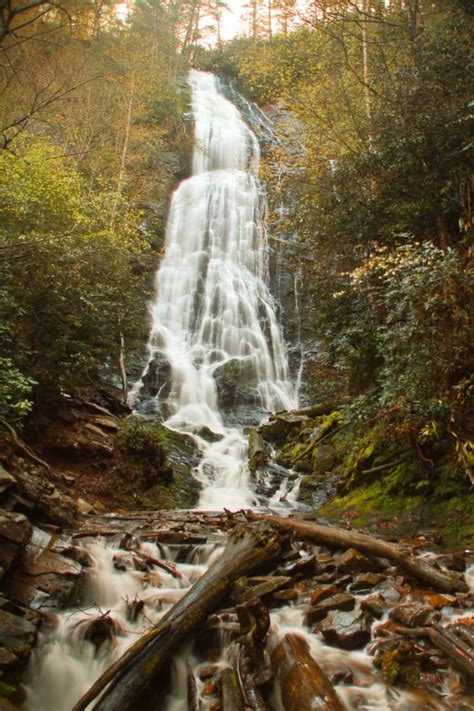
point(68, 287)
point(15, 390)
point(144, 446)
point(381, 197)
point(140, 437)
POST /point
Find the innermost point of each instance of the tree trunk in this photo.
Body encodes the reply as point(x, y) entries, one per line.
point(340, 538)
point(303, 685)
point(132, 680)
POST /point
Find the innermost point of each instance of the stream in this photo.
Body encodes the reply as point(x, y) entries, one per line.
point(216, 336)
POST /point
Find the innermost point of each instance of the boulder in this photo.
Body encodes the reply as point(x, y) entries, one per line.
point(281, 427)
point(323, 458)
point(347, 630)
point(235, 383)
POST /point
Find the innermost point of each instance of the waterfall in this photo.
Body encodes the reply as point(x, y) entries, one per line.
point(212, 305)
point(213, 318)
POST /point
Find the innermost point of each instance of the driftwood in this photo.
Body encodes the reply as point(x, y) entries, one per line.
point(130, 682)
point(168, 567)
point(335, 537)
point(302, 684)
point(461, 654)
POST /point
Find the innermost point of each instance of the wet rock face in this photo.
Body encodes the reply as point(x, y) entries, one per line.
point(15, 531)
point(43, 578)
point(157, 379)
point(18, 632)
point(347, 630)
point(235, 384)
point(34, 495)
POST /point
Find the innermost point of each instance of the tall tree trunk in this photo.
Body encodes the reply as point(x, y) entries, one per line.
point(123, 157)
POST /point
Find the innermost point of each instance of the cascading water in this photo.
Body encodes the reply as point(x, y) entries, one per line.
point(213, 316)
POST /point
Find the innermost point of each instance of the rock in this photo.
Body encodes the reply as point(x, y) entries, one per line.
point(38, 496)
point(340, 601)
point(100, 630)
point(7, 481)
point(285, 595)
point(375, 605)
point(85, 507)
point(104, 421)
point(157, 378)
point(348, 630)
point(208, 434)
point(323, 592)
point(44, 578)
point(15, 531)
point(281, 427)
point(366, 581)
point(305, 566)
point(235, 384)
point(352, 561)
point(323, 458)
point(256, 451)
point(439, 601)
point(453, 561)
point(17, 637)
point(413, 615)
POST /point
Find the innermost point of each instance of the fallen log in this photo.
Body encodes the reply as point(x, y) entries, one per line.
point(322, 408)
point(130, 683)
point(302, 684)
point(335, 537)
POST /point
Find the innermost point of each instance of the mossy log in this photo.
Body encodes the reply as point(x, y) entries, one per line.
point(131, 682)
point(322, 408)
point(335, 537)
point(302, 683)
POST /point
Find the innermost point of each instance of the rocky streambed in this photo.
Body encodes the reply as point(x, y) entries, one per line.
point(76, 602)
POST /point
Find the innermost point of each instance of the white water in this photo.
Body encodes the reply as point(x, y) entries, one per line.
point(212, 303)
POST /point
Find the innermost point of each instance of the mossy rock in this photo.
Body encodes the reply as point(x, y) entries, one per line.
point(323, 458)
point(296, 456)
point(280, 428)
point(156, 468)
point(399, 665)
